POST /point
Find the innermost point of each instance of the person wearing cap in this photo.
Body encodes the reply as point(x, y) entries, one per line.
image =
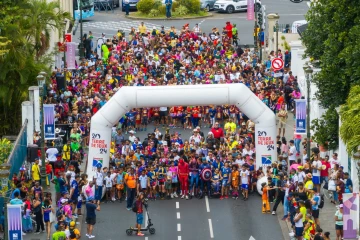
point(91, 207)
point(339, 222)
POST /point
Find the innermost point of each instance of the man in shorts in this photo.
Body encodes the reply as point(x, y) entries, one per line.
point(139, 213)
point(91, 207)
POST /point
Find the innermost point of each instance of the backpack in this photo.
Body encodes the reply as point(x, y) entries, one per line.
point(322, 201)
point(134, 207)
point(72, 233)
point(60, 211)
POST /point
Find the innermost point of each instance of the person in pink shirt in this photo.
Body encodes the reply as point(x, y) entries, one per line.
point(174, 179)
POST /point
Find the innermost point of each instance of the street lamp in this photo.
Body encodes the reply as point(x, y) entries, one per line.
point(308, 72)
point(42, 82)
point(81, 45)
point(65, 24)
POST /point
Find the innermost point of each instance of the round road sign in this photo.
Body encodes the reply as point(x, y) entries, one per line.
point(277, 64)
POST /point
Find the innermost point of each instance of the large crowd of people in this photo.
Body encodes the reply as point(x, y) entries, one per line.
point(218, 163)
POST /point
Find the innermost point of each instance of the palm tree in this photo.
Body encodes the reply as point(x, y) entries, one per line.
point(39, 20)
point(350, 117)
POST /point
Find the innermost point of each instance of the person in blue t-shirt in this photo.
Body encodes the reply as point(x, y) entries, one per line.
point(203, 182)
point(217, 164)
point(315, 201)
point(225, 174)
point(74, 192)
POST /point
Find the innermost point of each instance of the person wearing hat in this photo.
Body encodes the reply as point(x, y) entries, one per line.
point(339, 222)
point(72, 232)
point(91, 207)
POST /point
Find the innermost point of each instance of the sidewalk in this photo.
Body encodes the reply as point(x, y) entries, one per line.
point(327, 222)
point(42, 236)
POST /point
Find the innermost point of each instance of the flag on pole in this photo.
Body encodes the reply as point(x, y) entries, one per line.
point(300, 120)
point(49, 121)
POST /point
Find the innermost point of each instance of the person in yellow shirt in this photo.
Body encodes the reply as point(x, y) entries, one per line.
point(303, 209)
point(230, 125)
point(35, 170)
point(66, 151)
point(142, 28)
point(309, 186)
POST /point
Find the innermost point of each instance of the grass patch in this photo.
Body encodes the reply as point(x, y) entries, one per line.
point(173, 15)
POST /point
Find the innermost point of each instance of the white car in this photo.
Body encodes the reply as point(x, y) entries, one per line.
point(230, 6)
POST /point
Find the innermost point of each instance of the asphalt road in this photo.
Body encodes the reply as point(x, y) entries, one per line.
point(109, 22)
point(230, 219)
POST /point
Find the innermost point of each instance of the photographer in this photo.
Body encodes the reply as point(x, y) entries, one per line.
point(138, 208)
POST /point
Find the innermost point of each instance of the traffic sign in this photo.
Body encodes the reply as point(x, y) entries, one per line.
point(277, 64)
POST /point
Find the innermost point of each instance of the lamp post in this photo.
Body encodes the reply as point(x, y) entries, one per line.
point(4, 177)
point(65, 24)
point(277, 38)
point(308, 72)
point(41, 83)
point(81, 45)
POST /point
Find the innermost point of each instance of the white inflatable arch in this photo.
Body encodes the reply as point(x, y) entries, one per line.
point(127, 98)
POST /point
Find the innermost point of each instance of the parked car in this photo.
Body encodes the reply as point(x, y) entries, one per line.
point(133, 4)
point(207, 5)
point(230, 6)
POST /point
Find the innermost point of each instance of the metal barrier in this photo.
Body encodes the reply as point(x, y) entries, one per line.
point(19, 152)
point(104, 4)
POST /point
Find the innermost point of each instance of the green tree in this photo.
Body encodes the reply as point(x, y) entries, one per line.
point(26, 29)
point(350, 117)
point(332, 36)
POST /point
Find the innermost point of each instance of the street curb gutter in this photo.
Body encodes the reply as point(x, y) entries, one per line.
point(170, 19)
point(284, 225)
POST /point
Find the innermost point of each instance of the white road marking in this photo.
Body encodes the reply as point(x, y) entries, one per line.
point(207, 204)
point(211, 229)
point(252, 238)
point(178, 215)
point(179, 237)
point(179, 227)
point(146, 238)
point(177, 205)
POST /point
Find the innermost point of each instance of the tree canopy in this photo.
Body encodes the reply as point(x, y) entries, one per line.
point(350, 117)
point(333, 38)
point(24, 39)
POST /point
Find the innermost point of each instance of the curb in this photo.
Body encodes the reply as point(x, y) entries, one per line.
point(170, 19)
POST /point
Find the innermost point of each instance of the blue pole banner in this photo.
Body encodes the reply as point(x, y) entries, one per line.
point(300, 120)
point(49, 121)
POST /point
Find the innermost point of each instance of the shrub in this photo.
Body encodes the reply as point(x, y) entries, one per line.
point(154, 13)
point(175, 5)
point(157, 4)
point(162, 9)
point(193, 6)
point(181, 11)
point(145, 6)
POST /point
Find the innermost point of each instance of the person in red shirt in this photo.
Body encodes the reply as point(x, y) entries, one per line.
point(183, 172)
point(228, 29)
point(217, 131)
point(324, 173)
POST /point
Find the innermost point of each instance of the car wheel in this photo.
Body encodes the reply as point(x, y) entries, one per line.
point(207, 8)
point(230, 9)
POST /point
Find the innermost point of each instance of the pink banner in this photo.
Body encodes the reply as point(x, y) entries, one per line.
point(250, 10)
point(70, 55)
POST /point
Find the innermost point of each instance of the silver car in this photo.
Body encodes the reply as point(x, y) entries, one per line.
point(207, 5)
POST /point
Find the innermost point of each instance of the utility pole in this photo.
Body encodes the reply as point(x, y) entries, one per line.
point(277, 38)
point(81, 45)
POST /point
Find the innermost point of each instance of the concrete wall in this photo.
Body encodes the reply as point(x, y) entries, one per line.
point(289, 37)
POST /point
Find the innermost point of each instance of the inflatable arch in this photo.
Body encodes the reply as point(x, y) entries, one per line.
point(127, 98)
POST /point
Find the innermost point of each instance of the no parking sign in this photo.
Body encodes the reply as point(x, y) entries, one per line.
point(277, 64)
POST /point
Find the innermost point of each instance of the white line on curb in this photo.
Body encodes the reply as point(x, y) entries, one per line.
point(179, 227)
point(211, 229)
point(179, 237)
point(177, 205)
point(178, 215)
point(207, 204)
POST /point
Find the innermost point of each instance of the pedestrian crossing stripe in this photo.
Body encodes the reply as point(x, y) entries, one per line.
point(121, 25)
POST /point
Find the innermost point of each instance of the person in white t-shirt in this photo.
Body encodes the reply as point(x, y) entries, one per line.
point(292, 152)
point(244, 176)
point(143, 182)
point(316, 169)
point(108, 185)
point(239, 161)
point(99, 183)
point(334, 160)
point(51, 154)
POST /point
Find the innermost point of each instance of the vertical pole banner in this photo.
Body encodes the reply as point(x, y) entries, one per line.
point(14, 222)
point(70, 55)
point(49, 121)
point(350, 215)
point(250, 10)
point(300, 121)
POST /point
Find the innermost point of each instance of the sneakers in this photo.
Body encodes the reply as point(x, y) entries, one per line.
point(87, 235)
point(182, 197)
point(172, 195)
point(187, 197)
point(128, 209)
point(273, 213)
point(175, 195)
point(226, 196)
point(140, 234)
point(221, 198)
point(91, 236)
